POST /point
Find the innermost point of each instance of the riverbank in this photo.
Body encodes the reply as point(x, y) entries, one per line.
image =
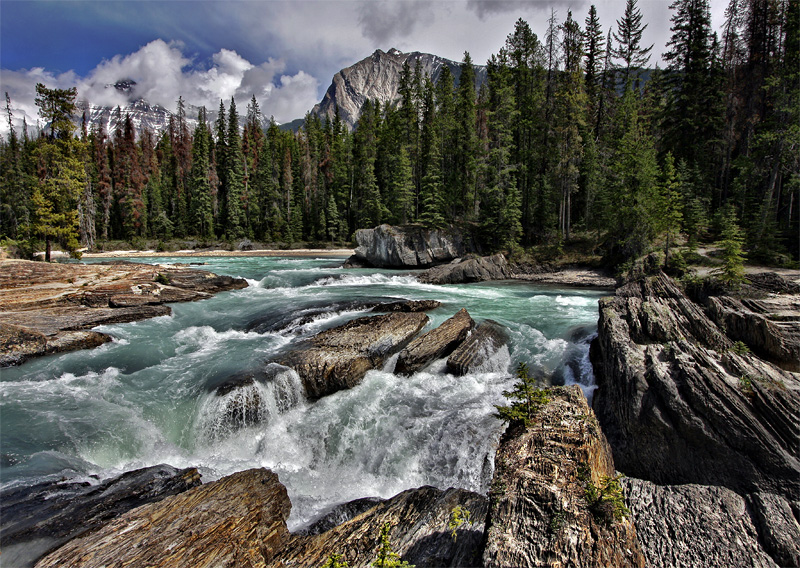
point(303, 253)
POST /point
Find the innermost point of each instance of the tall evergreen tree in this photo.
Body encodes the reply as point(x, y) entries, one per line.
point(200, 183)
point(234, 177)
point(629, 37)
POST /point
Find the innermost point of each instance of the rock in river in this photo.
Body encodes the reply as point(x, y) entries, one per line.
point(409, 246)
point(482, 344)
point(434, 344)
point(477, 269)
point(339, 358)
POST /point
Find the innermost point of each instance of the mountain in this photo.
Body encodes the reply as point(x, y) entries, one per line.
point(377, 77)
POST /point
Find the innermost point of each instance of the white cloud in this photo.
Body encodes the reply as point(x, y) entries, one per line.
point(163, 72)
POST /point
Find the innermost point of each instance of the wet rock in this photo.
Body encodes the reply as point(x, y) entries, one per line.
point(339, 358)
point(238, 521)
point(539, 512)
point(58, 300)
point(419, 534)
point(694, 525)
point(37, 519)
point(482, 344)
point(434, 344)
point(480, 269)
point(341, 514)
point(409, 246)
point(679, 405)
point(407, 306)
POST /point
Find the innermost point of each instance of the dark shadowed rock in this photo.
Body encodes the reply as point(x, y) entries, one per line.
point(238, 521)
point(339, 514)
point(37, 519)
point(679, 405)
point(538, 509)
point(777, 526)
point(772, 283)
point(419, 534)
point(694, 525)
point(481, 345)
point(339, 358)
point(480, 269)
point(409, 246)
point(434, 344)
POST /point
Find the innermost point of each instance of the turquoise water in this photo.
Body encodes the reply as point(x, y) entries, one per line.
point(148, 397)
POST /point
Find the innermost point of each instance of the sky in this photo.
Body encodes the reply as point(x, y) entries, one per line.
point(285, 52)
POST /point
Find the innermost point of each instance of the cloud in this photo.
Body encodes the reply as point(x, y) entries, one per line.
point(163, 72)
point(383, 21)
point(487, 8)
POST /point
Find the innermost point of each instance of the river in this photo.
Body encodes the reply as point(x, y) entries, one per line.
point(148, 397)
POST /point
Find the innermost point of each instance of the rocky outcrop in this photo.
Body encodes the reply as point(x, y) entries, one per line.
point(679, 404)
point(420, 532)
point(377, 77)
point(238, 521)
point(694, 525)
point(49, 308)
point(461, 271)
point(540, 509)
point(339, 358)
point(478, 349)
point(37, 519)
point(434, 344)
point(410, 246)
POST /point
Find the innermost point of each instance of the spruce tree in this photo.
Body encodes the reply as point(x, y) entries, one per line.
point(628, 37)
point(594, 50)
point(200, 183)
point(234, 177)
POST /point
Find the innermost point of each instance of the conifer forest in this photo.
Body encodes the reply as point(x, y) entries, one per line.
point(573, 135)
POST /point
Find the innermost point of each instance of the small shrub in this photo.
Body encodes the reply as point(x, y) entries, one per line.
point(606, 501)
point(335, 561)
point(556, 522)
point(527, 399)
point(163, 278)
point(746, 384)
point(458, 516)
point(387, 558)
point(740, 348)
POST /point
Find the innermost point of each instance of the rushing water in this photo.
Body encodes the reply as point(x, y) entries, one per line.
point(148, 397)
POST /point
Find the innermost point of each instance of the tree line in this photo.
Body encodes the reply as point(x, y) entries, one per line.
point(572, 134)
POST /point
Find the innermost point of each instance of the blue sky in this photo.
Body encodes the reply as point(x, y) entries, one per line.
point(283, 51)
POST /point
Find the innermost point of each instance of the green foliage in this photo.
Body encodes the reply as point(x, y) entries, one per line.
point(740, 348)
point(746, 384)
point(163, 278)
point(458, 516)
point(526, 399)
point(386, 557)
point(606, 501)
point(336, 561)
point(731, 273)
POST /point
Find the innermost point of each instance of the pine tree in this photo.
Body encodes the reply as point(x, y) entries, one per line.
point(732, 271)
point(671, 206)
point(594, 49)
point(628, 37)
point(466, 141)
point(200, 183)
point(234, 176)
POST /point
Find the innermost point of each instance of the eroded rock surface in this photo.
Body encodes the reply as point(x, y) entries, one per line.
point(339, 358)
point(49, 308)
point(410, 246)
point(680, 405)
point(478, 349)
point(694, 525)
point(236, 522)
point(434, 344)
point(37, 519)
point(419, 534)
point(539, 514)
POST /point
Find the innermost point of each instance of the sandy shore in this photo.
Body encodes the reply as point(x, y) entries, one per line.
point(313, 253)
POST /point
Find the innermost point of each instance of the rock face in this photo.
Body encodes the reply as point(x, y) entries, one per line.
point(377, 77)
point(238, 521)
point(434, 344)
point(49, 308)
point(419, 534)
point(410, 246)
point(680, 405)
point(37, 519)
point(539, 513)
point(478, 349)
point(694, 525)
point(339, 358)
point(480, 269)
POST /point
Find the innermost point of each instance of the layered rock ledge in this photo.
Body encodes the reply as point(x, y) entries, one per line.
point(409, 246)
point(50, 308)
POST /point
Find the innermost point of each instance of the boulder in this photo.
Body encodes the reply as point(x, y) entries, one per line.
point(238, 521)
point(37, 519)
point(420, 532)
point(478, 269)
point(475, 352)
point(679, 404)
point(339, 358)
point(694, 525)
point(409, 246)
point(777, 523)
point(434, 344)
point(540, 509)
